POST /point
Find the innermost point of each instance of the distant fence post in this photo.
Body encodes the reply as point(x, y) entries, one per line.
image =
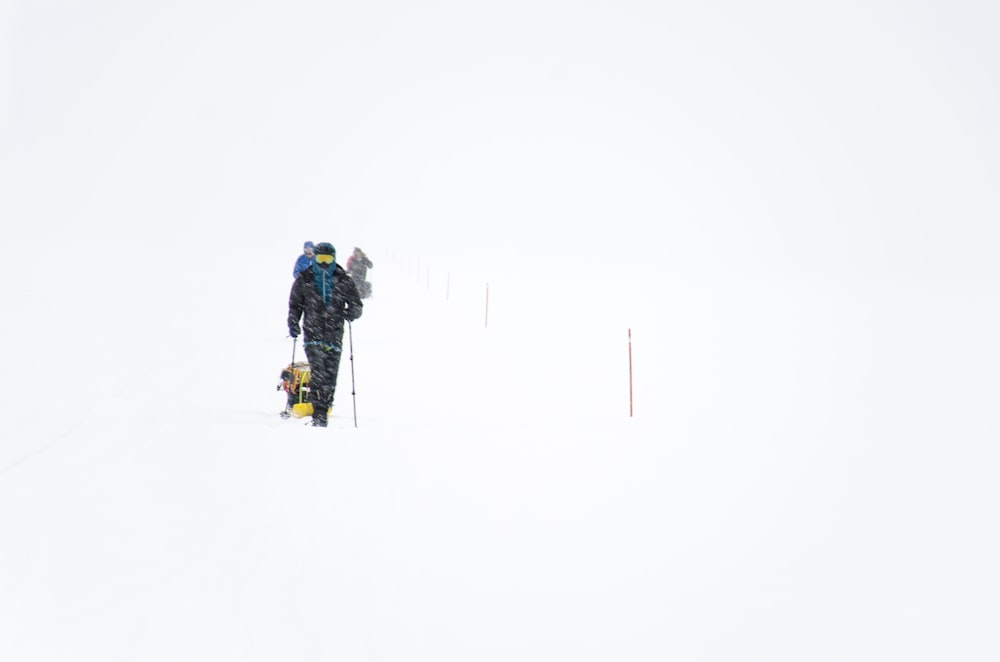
point(630, 372)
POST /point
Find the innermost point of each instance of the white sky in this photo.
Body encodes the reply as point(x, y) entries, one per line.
point(793, 207)
point(817, 139)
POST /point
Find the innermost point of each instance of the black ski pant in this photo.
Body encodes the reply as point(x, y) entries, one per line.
point(324, 364)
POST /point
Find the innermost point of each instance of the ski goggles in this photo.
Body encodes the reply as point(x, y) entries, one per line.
point(324, 259)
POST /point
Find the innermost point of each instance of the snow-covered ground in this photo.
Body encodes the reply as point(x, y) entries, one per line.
point(793, 212)
point(804, 478)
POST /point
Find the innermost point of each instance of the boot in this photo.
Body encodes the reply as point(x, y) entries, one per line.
point(321, 408)
point(319, 418)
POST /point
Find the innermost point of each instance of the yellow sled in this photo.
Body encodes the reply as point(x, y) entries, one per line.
point(295, 382)
point(302, 409)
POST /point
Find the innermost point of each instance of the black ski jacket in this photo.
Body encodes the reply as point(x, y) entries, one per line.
point(323, 323)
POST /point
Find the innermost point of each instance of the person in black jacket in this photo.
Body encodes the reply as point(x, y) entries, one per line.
point(326, 296)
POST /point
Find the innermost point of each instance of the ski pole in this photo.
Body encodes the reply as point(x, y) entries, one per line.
point(354, 399)
point(287, 413)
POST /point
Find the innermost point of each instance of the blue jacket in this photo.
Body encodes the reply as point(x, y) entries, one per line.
point(301, 265)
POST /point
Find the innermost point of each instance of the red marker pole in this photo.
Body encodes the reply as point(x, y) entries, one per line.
point(630, 373)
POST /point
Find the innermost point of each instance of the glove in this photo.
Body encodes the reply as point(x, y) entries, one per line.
point(294, 330)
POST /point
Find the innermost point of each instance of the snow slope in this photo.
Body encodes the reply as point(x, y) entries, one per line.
point(495, 501)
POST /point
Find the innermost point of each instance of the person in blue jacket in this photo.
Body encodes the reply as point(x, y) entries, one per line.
point(305, 259)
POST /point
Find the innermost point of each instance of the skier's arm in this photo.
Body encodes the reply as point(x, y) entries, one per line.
point(295, 305)
point(353, 301)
